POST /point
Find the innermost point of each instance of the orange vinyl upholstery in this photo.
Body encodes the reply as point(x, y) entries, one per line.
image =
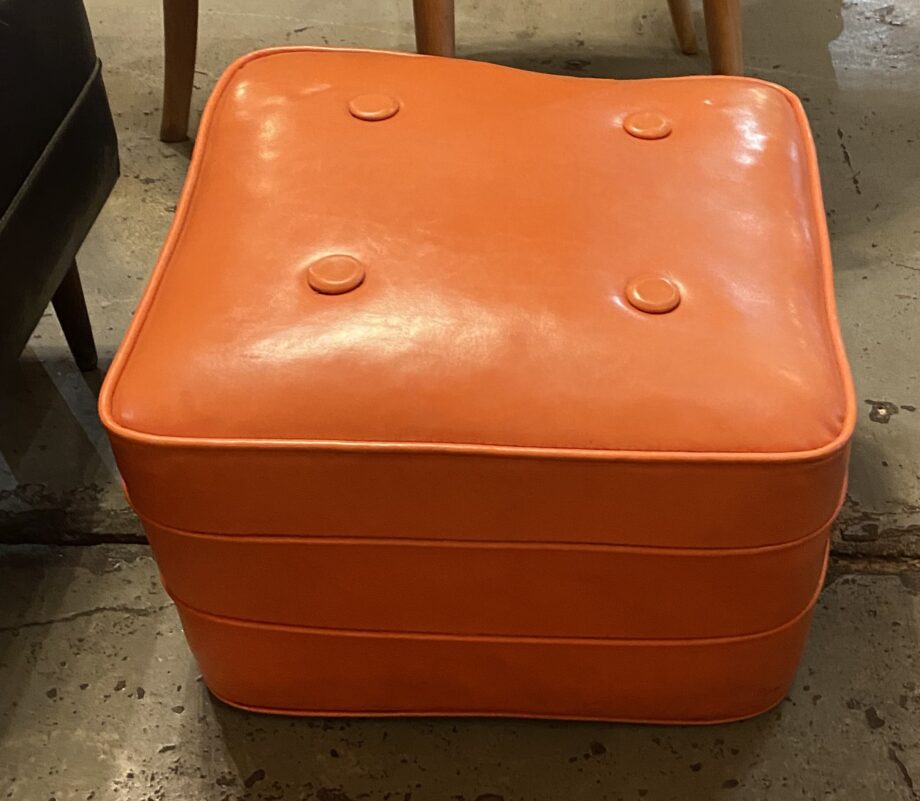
point(464, 390)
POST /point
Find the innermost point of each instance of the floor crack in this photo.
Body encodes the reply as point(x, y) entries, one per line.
point(905, 773)
point(854, 174)
point(125, 610)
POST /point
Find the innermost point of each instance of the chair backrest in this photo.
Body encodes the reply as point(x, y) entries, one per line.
point(60, 155)
point(46, 56)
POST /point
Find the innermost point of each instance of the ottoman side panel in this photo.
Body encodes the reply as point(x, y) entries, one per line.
point(325, 672)
point(398, 492)
point(473, 588)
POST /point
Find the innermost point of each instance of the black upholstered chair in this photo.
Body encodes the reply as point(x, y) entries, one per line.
point(58, 163)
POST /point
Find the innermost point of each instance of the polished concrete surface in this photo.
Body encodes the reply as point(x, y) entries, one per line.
point(99, 698)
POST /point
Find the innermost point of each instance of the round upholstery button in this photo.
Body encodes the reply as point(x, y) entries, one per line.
point(653, 294)
point(373, 107)
point(333, 275)
point(647, 125)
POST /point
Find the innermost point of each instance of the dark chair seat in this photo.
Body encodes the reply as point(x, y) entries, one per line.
point(58, 163)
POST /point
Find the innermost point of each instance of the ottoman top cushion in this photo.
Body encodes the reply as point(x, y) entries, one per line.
point(385, 248)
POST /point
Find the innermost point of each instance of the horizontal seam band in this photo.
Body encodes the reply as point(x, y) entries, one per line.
point(453, 712)
point(550, 545)
point(504, 638)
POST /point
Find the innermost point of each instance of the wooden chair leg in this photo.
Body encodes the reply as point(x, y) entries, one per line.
point(180, 38)
point(723, 30)
point(682, 18)
point(434, 26)
point(70, 307)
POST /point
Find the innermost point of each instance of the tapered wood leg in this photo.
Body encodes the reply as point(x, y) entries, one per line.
point(70, 307)
point(723, 30)
point(683, 25)
point(180, 38)
point(434, 26)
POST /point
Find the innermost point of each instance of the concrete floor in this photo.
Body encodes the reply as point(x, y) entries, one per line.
point(99, 698)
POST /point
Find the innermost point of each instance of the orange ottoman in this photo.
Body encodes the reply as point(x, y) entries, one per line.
point(463, 390)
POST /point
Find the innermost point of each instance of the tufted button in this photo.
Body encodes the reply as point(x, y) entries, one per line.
point(335, 275)
point(647, 125)
point(653, 294)
point(373, 107)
